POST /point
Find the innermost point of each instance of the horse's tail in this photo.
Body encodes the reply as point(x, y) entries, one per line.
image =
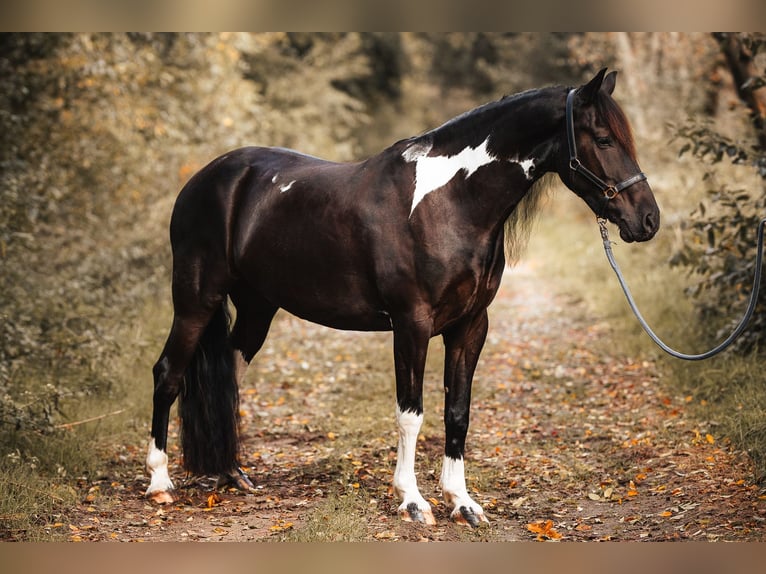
point(209, 402)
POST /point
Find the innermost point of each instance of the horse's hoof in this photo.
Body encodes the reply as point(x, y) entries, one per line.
point(467, 517)
point(236, 479)
point(160, 497)
point(411, 513)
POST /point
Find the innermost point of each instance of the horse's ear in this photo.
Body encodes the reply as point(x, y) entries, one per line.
point(609, 82)
point(588, 92)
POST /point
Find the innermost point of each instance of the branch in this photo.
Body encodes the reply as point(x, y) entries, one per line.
point(99, 417)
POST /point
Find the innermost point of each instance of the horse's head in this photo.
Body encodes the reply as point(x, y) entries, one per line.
point(601, 164)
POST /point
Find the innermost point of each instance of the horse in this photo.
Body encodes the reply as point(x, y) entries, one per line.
point(413, 240)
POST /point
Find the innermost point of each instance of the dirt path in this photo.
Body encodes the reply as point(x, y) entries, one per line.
point(565, 444)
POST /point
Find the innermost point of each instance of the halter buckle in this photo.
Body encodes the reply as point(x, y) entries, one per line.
point(611, 192)
point(574, 164)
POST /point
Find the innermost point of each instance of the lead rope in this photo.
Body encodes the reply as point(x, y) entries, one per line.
point(720, 347)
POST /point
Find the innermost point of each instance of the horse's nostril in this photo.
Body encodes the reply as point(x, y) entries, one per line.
point(650, 222)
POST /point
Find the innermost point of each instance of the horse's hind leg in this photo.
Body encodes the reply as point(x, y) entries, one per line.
point(463, 343)
point(247, 337)
point(168, 376)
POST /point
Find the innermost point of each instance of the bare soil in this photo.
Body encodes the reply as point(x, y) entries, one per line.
point(567, 443)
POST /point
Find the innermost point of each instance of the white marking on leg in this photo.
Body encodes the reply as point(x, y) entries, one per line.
point(405, 482)
point(454, 490)
point(284, 188)
point(433, 172)
point(157, 465)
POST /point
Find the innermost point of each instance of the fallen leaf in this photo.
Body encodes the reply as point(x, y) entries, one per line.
point(281, 526)
point(544, 530)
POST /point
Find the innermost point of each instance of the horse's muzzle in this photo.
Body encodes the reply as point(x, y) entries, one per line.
point(641, 228)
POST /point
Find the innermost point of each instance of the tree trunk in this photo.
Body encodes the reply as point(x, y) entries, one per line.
point(740, 61)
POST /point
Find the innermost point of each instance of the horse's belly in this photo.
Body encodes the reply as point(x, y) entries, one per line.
point(320, 288)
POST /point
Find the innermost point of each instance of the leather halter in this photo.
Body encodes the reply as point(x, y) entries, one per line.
point(610, 191)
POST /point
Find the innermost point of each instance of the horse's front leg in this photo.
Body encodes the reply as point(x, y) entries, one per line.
point(463, 343)
point(410, 348)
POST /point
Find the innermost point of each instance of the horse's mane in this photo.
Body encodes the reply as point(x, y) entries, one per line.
point(487, 110)
point(519, 223)
point(518, 226)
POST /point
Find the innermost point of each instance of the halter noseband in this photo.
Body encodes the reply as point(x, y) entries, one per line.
point(610, 191)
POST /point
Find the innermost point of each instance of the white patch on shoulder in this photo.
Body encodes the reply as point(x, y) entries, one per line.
point(284, 188)
point(416, 151)
point(432, 172)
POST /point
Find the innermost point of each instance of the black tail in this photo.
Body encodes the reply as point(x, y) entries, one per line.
point(209, 403)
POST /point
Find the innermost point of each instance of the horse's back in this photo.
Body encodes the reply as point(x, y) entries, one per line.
point(213, 196)
point(289, 226)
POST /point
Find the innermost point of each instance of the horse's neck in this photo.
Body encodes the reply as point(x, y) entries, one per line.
point(490, 157)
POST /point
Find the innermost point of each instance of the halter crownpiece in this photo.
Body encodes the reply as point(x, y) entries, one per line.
point(610, 191)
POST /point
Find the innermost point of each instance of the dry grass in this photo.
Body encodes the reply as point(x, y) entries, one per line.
point(727, 392)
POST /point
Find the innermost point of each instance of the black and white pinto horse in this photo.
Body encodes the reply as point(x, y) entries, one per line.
point(411, 240)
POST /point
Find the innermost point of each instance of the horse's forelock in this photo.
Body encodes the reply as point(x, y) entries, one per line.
point(615, 119)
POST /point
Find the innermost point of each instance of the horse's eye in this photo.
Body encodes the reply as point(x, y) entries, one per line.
point(604, 142)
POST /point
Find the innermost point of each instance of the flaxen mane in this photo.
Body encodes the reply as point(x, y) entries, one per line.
point(518, 226)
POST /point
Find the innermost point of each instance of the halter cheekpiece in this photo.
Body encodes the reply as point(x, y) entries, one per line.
point(610, 191)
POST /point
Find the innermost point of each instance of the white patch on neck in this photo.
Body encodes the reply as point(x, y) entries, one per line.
point(432, 172)
point(527, 165)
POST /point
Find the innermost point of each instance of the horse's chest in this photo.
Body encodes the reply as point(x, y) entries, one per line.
point(465, 285)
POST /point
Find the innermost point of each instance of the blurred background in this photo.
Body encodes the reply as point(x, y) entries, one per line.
point(98, 133)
